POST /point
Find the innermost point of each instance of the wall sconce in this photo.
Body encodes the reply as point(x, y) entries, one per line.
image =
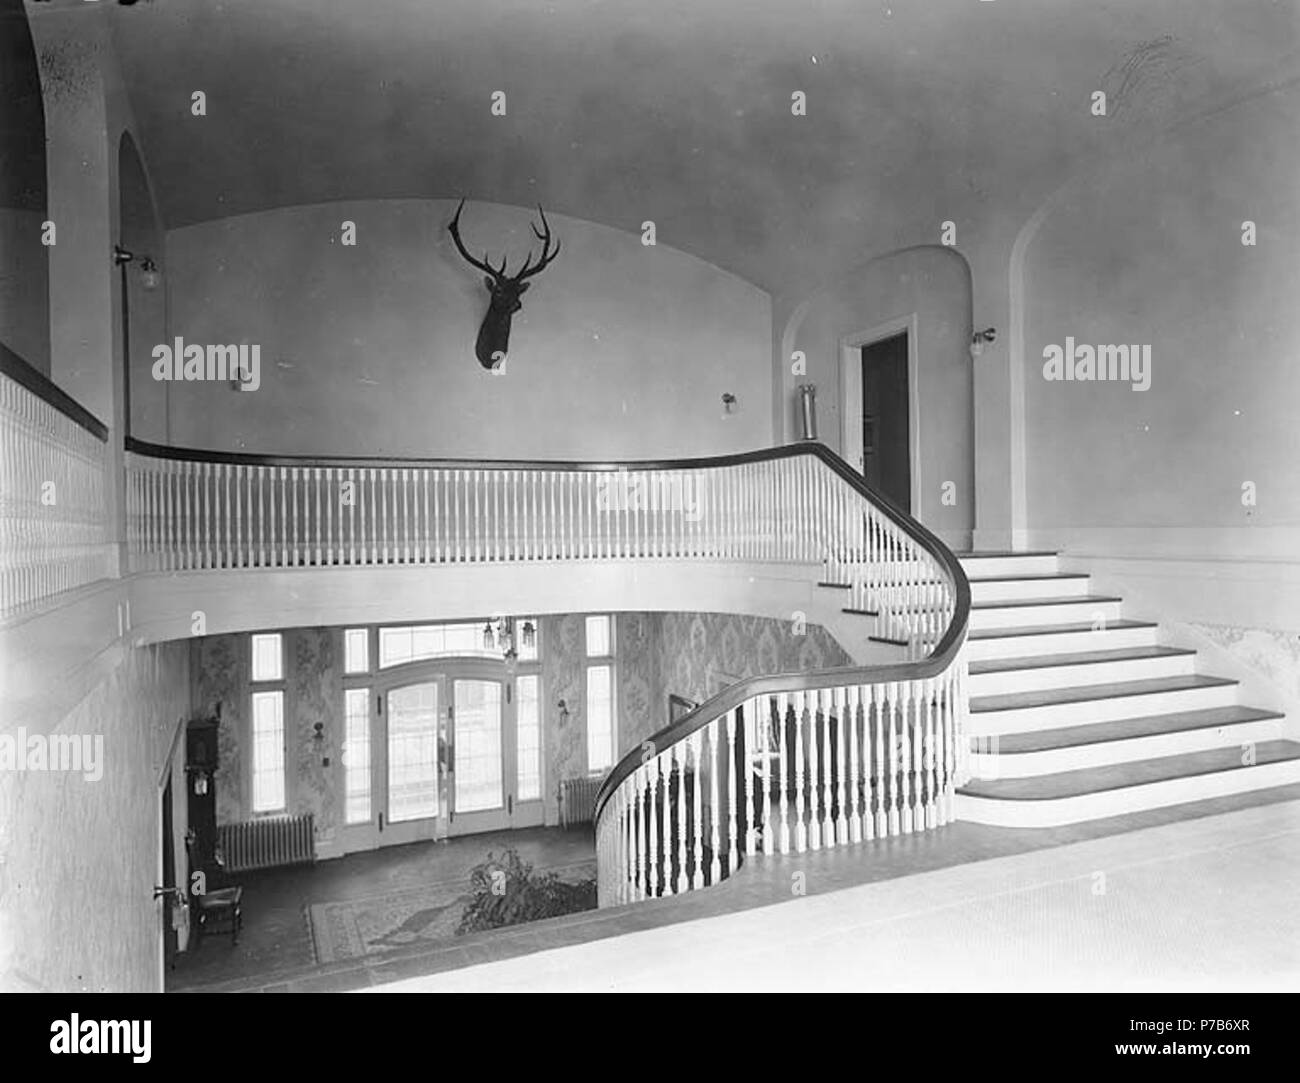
point(564, 713)
point(980, 339)
point(149, 274)
point(529, 634)
point(728, 404)
point(808, 410)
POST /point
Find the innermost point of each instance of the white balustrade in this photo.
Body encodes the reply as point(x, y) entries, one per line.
point(55, 528)
point(907, 781)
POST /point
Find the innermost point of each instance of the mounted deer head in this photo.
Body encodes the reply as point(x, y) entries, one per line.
point(505, 290)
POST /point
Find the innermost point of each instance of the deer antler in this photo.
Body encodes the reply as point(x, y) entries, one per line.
point(527, 271)
point(454, 229)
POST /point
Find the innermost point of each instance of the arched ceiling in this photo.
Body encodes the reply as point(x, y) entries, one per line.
point(677, 111)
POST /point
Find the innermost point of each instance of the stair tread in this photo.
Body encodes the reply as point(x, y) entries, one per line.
point(1057, 629)
point(1026, 577)
point(971, 554)
point(1027, 603)
point(1076, 658)
point(1123, 775)
point(1082, 693)
point(1128, 728)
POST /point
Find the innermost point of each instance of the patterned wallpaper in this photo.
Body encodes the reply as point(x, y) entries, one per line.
point(313, 693)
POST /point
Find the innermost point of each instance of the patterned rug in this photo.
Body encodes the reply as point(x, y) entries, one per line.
point(354, 928)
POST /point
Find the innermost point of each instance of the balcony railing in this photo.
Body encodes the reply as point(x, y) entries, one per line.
point(55, 532)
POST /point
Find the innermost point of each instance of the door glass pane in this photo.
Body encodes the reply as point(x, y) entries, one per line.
point(528, 739)
point(356, 756)
point(413, 752)
point(478, 746)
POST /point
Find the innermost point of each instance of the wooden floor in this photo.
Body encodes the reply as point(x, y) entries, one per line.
point(276, 936)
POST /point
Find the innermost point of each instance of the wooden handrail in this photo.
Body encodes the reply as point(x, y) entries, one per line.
point(937, 661)
point(43, 388)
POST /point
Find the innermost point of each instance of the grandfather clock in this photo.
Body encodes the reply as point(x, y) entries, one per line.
point(200, 782)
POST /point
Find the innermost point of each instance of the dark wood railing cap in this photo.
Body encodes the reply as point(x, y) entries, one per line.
point(43, 388)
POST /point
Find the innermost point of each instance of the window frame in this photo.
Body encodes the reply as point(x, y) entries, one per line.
point(608, 660)
point(271, 686)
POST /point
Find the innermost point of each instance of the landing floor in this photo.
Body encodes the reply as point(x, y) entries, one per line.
point(276, 951)
point(1205, 904)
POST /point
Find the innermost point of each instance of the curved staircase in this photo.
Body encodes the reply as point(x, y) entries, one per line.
point(1077, 713)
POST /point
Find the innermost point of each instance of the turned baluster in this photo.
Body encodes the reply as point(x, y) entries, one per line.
point(906, 729)
point(640, 836)
point(842, 717)
point(715, 863)
point(762, 718)
point(814, 789)
point(665, 761)
point(855, 783)
point(801, 828)
point(697, 835)
point(679, 758)
point(749, 734)
point(652, 768)
point(733, 855)
point(827, 768)
point(783, 776)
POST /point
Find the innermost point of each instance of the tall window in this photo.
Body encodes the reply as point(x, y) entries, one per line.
point(268, 722)
point(601, 736)
point(528, 738)
point(356, 755)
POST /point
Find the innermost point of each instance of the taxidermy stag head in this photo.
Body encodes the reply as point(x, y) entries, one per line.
point(505, 290)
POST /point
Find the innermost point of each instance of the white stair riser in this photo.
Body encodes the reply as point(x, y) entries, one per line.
point(1048, 677)
point(993, 765)
point(1009, 565)
point(1000, 590)
point(1057, 715)
point(1057, 812)
point(1060, 643)
point(1034, 616)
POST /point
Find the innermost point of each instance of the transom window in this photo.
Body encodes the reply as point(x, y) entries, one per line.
point(417, 642)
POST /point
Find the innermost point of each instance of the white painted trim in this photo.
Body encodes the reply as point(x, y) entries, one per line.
point(851, 396)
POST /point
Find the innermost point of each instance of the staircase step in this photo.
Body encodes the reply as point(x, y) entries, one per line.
point(1079, 658)
point(1000, 676)
point(1097, 792)
point(1026, 612)
point(998, 554)
point(1029, 603)
point(1006, 563)
point(1125, 728)
point(1045, 709)
point(1071, 748)
point(1049, 639)
point(1059, 629)
point(1028, 587)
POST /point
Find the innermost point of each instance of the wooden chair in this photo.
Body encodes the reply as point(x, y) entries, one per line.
point(221, 904)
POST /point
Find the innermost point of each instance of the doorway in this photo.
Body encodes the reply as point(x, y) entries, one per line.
point(452, 748)
point(880, 434)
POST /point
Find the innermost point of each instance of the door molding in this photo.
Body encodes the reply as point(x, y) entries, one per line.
point(851, 396)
